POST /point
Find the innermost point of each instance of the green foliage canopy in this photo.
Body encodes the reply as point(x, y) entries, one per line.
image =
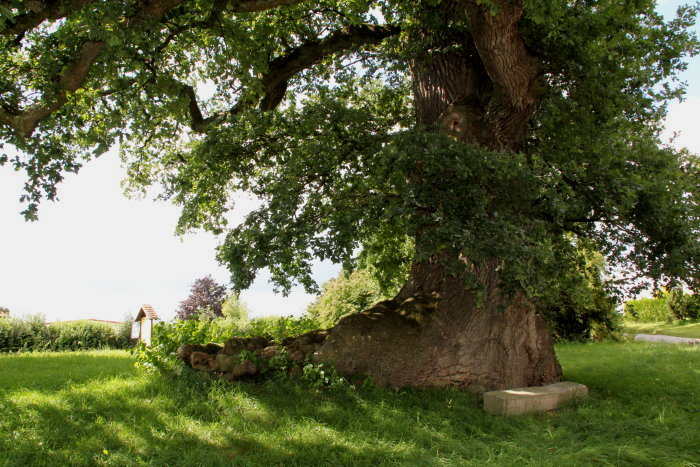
point(308, 105)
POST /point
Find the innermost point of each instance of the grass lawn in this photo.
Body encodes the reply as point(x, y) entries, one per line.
point(680, 329)
point(93, 408)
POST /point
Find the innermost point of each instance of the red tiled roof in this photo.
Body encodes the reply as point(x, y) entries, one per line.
point(148, 312)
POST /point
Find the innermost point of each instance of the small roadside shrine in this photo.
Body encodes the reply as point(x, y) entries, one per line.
point(143, 324)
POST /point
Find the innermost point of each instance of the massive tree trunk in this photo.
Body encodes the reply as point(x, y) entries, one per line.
point(438, 333)
point(479, 86)
point(482, 89)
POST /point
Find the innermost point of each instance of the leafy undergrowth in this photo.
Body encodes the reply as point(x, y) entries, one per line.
point(690, 328)
point(94, 408)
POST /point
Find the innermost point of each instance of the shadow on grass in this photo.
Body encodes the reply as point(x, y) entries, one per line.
point(637, 414)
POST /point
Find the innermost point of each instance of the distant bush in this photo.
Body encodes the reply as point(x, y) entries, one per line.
point(648, 310)
point(579, 306)
point(683, 306)
point(693, 306)
point(595, 318)
point(235, 310)
point(80, 335)
point(346, 294)
point(17, 334)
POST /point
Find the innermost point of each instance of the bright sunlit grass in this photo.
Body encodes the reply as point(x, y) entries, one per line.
point(94, 408)
point(680, 328)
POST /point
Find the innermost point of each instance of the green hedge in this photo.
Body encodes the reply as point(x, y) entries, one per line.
point(31, 333)
point(647, 310)
point(674, 305)
point(22, 334)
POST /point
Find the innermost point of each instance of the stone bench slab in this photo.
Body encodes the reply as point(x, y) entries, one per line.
point(533, 399)
point(666, 339)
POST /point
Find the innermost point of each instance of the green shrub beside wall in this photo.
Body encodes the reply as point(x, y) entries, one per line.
point(280, 327)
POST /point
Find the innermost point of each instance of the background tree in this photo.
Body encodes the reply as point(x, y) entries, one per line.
point(236, 311)
point(205, 300)
point(580, 304)
point(683, 306)
point(4, 312)
point(492, 133)
point(346, 294)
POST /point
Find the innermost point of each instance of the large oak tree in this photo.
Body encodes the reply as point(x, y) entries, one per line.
point(498, 136)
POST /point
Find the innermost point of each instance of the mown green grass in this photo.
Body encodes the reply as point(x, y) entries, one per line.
point(95, 409)
point(679, 328)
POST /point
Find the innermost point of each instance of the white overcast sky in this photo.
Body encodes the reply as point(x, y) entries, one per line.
point(97, 254)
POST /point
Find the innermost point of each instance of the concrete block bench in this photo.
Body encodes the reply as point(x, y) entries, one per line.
point(533, 399)
point(666, 339)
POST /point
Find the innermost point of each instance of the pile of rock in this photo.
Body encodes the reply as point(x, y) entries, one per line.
point(242, 358)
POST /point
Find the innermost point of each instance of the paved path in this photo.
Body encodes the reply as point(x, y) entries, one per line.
point(666, 339)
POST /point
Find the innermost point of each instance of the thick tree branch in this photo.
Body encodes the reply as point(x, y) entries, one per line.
point(25, 121)
point(517, 77)
point(195, 112)
point(313, 52)
point(38, 12)
point(283, 68)
point(503, 52)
